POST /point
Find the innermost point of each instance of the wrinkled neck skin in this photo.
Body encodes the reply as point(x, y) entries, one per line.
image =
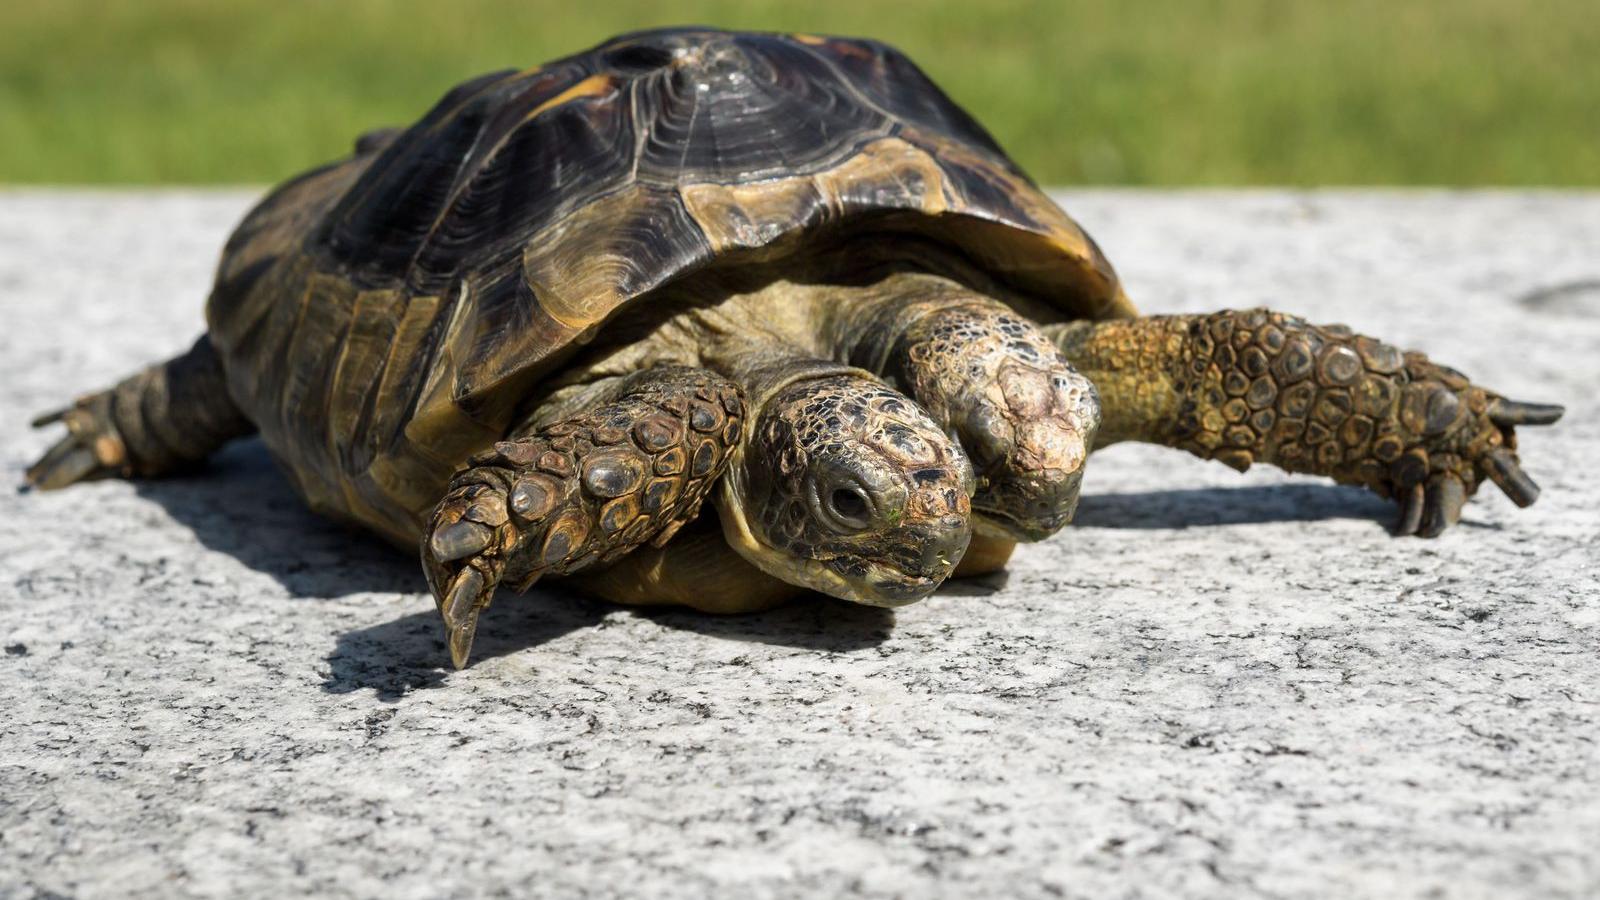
point(813, 304)
point(1140, 373)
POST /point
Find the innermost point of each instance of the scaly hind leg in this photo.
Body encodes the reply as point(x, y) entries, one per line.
point(630, 466)
point(1259, 386)
point(162, 420)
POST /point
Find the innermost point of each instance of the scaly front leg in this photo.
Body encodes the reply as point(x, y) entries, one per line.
point(631, 468)
point(1259, 386)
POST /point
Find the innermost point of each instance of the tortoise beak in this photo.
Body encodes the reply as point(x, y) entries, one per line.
point(931, 553)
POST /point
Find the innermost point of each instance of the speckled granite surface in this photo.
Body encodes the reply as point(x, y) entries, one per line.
point(1214, 685)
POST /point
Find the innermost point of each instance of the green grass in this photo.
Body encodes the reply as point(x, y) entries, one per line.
point(1442, 92)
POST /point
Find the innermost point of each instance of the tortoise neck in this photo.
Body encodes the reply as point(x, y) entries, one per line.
point(1135, 365)
point(863, 325)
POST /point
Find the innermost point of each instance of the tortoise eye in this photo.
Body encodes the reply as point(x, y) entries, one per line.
point(849, 506)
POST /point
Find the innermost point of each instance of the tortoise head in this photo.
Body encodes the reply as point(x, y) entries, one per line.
point(1030, 449)
point(846, 487)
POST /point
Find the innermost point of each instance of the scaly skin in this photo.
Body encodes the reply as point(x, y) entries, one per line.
point(1024, 416)
point(1253, 386)
point(838, 483)
point(846, 487)
point(166, 418)
point(580, 492)
point(832, 482)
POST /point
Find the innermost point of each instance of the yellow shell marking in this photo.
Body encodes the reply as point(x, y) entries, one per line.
point(754, 215)
point(576, 266)
point(593, 86)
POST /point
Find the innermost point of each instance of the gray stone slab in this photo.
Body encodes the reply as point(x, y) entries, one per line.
point(1213, 685)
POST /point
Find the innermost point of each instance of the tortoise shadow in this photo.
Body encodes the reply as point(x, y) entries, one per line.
point(241, 505)
point(407, 654)
point(1242, 505)
point(809, 622)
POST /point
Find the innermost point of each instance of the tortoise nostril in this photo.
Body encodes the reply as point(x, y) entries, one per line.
point(945, 547)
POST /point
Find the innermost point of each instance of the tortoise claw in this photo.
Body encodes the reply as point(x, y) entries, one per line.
point(1472, 441)
point(65, 463)
point(461, 598)
point(1501, 467)
point(461, 560)
point(90, 449)
point(50, 418)
point(467, 598)
point(1410, 511)
point(1509, 413)
point(1445, 497)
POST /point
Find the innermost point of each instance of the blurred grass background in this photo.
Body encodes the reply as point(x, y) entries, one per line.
point(1145, 92)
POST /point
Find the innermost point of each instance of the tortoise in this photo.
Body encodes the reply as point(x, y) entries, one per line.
point(536, 330)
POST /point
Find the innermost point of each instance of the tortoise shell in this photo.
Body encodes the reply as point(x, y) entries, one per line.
point(383, 318)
